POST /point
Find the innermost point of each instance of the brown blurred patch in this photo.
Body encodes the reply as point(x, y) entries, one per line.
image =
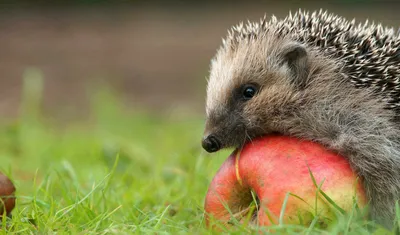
point(156, 57)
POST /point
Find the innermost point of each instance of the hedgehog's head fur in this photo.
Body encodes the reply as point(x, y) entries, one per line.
point(282, 73)
point(250, 83)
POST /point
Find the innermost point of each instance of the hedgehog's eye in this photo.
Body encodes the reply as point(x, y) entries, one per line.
point(249, 91)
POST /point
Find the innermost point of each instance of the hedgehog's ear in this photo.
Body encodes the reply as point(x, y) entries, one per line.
point(296, 57)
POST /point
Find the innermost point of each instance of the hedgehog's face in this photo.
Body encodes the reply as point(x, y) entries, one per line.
point(248, 89)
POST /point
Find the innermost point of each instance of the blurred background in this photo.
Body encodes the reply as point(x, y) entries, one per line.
point(154, 54)
point(102, 107)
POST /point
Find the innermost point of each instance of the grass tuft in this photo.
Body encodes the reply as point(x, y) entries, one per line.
point(124, 172)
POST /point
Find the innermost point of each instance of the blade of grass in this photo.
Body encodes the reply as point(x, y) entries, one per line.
point(281, 214)
point(161, 217)
point(324, 194)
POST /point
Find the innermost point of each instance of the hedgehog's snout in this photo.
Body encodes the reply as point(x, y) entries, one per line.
point(211, 143)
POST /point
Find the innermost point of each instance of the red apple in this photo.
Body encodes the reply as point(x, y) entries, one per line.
point(274, 166)
point(7, 198)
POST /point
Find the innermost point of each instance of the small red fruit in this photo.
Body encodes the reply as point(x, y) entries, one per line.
point(7, 198)
point(274, 166)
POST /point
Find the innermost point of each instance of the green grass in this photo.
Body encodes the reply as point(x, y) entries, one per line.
point(122, 172)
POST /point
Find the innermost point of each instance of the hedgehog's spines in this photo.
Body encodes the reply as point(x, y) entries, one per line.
point(370, 52)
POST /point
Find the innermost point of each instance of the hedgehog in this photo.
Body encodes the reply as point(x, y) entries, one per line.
point(315, 76)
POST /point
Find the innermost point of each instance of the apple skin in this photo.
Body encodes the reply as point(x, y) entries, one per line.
point(7, 198)
point(273, 166)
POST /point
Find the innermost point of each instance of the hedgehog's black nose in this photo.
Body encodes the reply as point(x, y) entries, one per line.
point(211, 144)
